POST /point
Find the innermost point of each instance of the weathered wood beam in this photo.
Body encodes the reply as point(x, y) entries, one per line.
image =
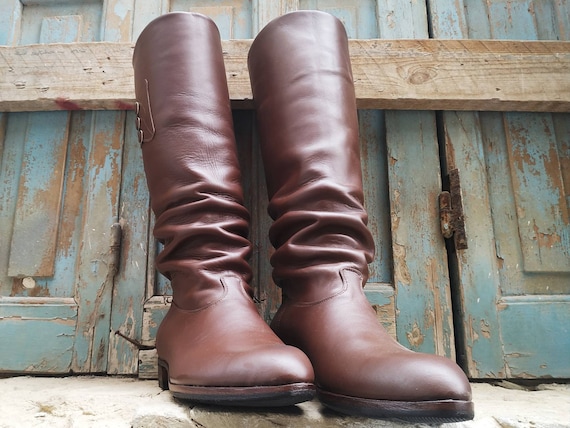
point(388, 74)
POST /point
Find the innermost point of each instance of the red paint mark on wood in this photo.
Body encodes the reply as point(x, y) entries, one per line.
point(121, 105)
point(65, 104)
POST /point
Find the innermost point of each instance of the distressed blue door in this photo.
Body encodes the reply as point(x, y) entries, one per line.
point(72, 184)
point(78, 289)
point(59, 195)
point(514, 278)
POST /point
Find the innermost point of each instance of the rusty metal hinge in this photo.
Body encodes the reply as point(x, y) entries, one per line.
point(116, 237)
point(451, 212)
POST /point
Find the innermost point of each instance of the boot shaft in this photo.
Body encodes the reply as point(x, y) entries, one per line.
point(307, 119)
point(190, 156)
point(302, 84)
point(184, 106)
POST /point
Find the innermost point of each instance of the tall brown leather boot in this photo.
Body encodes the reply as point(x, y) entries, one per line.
point(213, 347)
point(304, 96)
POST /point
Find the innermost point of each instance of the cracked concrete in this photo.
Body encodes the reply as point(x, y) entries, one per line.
point(88, 401)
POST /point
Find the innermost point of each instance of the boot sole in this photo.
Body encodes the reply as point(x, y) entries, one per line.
point(432, 412)
point(246, 396)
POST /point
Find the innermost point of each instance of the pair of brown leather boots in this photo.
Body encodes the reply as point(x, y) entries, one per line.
point(213, 346)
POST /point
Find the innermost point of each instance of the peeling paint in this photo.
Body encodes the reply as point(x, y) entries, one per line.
point(485, 329)
point(436, 316)
point(401, 272)
point(545, 240)
point(415, 336)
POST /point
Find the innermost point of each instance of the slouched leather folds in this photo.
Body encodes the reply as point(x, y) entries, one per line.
point(303, 92)
point(212, 345)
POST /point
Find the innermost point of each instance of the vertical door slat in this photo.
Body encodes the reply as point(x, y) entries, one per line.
point(423, 300)
point(33, 247)
point(512, 283)
point(96, 264)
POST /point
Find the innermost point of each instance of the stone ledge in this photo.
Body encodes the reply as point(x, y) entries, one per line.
point(89, 401)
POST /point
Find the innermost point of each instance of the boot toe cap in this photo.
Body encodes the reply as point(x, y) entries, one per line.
point(266, 366)
point(424, 377)
point(405, 376)
point(277, 365)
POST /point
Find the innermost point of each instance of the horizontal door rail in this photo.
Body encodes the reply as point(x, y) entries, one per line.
point(419, 74)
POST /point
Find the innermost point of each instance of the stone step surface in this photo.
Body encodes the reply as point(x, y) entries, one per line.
point(92, 401)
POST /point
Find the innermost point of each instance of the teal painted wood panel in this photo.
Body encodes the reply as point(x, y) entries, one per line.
point(49, 22)
point(59, 187)
point(373, 157)
point(37, 219)
point(480, 347)
point(539, 286)
point(97, 260)
point(540, 200)
point(423, 301)
point(536, 336)
point(3, 117)
point(359, 18)
point(37, 334)
point(10, 18)
point(129, 292)
point(34, 164)
point(423, 297)
point(232, 17)
point(514, 281)
point(12, 155)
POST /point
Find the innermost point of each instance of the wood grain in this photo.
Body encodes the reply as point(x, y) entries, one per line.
point(483, 75)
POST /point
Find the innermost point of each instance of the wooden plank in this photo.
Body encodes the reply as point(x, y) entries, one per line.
point(419, 260)
point(3, 118)
point(44, 327)
point(389, 74)
point(536, 174)
point(129, 290)
point(476, 270)
point(10, 174)
point(155, 310)
point(148, 364)
point(511, 174)
point(36, 223)
point(34, 239)
point(545, 319)
point(10, 21)
point(419, 255)
point(97, 257)
point(382, 298)
point(372, 133)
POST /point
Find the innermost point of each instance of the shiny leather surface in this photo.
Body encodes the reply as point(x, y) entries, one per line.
point(213, 334)
point(220, 345)
point(354, 356)
point(304, 96)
